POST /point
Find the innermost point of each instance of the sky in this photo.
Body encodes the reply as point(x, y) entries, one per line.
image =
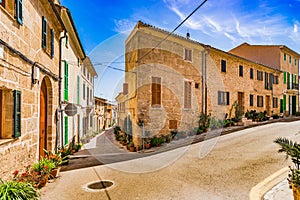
point(103, 27)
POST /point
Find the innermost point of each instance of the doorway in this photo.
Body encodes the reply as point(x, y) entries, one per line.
point(268, 105)
point(241, 103)
point(43, 119)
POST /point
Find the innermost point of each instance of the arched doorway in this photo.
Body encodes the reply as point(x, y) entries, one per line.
point(43, 119)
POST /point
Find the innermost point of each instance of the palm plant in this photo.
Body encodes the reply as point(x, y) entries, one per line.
point(292, 149)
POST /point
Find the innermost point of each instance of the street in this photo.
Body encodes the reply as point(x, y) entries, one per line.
point(226, 167)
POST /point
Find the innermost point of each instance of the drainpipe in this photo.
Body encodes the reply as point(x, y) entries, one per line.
point(59, 91)
point(203, 111)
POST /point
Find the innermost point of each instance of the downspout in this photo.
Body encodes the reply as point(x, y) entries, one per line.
point(59, 91)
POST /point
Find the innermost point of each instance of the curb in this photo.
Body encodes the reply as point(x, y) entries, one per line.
point(258, 191)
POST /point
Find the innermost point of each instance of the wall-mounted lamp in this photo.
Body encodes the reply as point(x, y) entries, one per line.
point(35, 74)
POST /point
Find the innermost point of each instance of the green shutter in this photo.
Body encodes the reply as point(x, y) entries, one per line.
point(44, 32)
point(66, 81)
point(17, 114)
point(66, 138)
point(288, 80)
point(284, 102)
point(284, 56)
point(284, 77)
point(19, 11)
point(78, 90)
point(52, 43)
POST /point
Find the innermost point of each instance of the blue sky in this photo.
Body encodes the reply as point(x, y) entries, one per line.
point(104, 25)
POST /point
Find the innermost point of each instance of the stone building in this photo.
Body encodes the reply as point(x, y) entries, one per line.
point(170, 80)
point(280, 58)
point(104, 114)
point(29, 81)
point(76, 85)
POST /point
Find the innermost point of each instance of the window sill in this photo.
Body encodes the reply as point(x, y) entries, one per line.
point(6, 141)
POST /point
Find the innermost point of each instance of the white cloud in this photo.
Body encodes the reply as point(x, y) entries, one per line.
point(296, 27)
point(123, 25)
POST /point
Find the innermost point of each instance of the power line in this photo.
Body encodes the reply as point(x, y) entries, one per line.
point(172, 31)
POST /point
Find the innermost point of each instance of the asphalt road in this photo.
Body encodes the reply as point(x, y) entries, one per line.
point(225, 167)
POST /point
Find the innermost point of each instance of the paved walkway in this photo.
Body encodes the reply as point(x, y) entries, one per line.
point(280, 192)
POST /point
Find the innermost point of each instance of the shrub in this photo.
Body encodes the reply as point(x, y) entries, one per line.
point(17, 190)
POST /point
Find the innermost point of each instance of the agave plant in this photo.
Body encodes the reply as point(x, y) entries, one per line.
point(292, 149)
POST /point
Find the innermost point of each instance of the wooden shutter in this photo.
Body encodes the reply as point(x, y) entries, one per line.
point(284, 77)
point(156, 91)
point(19, 11)
point(187, 94)
point(220, 98)
point(48, 48)
point(288, 80)
point(44, 33)
point(10, 6)
point(227, 98)
point(17, 114)
point(125, 88)
point(66, 81)
point(52, 43)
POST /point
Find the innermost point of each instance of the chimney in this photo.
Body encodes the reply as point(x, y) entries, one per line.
point(188, 35)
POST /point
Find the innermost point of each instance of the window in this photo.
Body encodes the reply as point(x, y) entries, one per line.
point(172, 124)
point(251, 73)
point(223, 98)
point(19, 11)
point(267, 81)
point(284, 56)
point(125, 88)
point(187, 94)
point(241, 70)
point(260, 101)
point(156, 91)
point(14, 8)
point(276, 80)
point(197, 85)
point(284, 77)
point(288, 80)
point(290, 59)
point(275, 102)
point(188, 54)
point(17, 114)
point(83, 90)
point(78, 90)
point(91, 95)
point(47, 37)
point(87, 94)
point(260, 75)
point(10, 117)
point(66, 81)
point(223, 65)
point(295, 63)
point(251, 100)
point(52, 43)
point(44, 32)
point(66, 138)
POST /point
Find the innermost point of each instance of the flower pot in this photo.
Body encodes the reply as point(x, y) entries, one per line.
point(131, 149)
point(147, 145)
point(296, 192)
point(54, 173)
point(42, 182)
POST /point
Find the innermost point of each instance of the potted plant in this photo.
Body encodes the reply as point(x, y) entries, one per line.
point(292, 149)
point(17, 190)
point(147, 143)
point(131, 146)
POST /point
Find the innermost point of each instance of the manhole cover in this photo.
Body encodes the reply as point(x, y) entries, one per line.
point(99, 185)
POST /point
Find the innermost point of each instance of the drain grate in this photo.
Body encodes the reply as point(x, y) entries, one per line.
point(99, 185)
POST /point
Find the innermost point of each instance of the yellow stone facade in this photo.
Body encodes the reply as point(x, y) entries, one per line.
point(175, 60)
point(24, 67)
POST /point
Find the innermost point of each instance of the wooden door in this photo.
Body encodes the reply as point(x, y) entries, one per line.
point(43, 120)
point(268, 105)
point(241, 102)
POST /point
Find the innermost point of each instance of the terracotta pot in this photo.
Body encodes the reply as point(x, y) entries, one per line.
point(296, 192)
point(147, 145)
point(131, 149)
point(54, 173)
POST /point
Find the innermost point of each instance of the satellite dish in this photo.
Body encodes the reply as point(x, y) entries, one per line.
point(71, 109)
